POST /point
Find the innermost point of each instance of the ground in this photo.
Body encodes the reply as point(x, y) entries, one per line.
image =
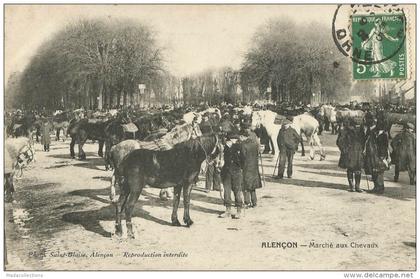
point(62, 206)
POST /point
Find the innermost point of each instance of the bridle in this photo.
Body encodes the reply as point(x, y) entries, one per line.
point(216, 146)
point(24, 158)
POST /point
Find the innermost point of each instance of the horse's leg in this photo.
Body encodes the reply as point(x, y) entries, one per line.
point(119, 207)
point(412, 175)
point(112, 195)
point(73, 141)
point(101, 147)
point(57, 134)
point(317, 141)
point(274, 149)
point(82, 155)
point(65, 134)
point(131, 202)
point(177, 196)
point(9, 188)
point(311, 148)
point(187, 196)
point(303, 147)
point(107, 154)
point(397, 172)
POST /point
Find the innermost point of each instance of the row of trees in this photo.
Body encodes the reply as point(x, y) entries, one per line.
point(100, 63)
point(90, 63)
point(298, 63)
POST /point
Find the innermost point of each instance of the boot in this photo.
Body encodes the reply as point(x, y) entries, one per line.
point(350, 179)
point(238, 213)
point(226, 214)
point(358, 177)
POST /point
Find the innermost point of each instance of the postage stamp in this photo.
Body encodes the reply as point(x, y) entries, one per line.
point(379, 46)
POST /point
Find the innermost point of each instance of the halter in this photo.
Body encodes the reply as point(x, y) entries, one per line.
point(214, 149)
point(28, 157)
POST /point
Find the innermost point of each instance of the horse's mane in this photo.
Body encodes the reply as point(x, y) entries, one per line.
point(198, 144)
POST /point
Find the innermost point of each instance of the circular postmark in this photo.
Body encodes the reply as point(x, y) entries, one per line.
point(369, 34)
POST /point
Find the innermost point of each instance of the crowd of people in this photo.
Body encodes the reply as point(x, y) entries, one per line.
point(363, 146)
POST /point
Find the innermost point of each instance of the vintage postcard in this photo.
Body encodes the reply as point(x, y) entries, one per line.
point(210, 137)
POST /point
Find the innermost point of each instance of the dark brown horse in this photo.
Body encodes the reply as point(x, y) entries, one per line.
point(61, 121)
point(178, 167)
point(82, 130)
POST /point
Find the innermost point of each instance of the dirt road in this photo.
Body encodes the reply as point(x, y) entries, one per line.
point(63, 220)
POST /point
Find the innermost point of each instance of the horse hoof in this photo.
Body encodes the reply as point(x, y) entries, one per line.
point(396, 179)
point(118, 233)
point(188, 223)
point(303, 155)
point(176, 223)
point(312, 158)
point(130, 235)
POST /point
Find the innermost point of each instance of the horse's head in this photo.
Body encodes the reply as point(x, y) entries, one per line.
point(26, 156)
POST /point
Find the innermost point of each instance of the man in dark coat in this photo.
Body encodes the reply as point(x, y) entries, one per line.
point(206, 125)
point(351, 144)
point(232, 175)
point(251, 176)
point(287, 140)
point(262, 133)
point(404, 152)
point(376, 151)
point(46, 128)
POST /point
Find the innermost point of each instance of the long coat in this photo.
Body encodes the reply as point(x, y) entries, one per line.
point(404, 150)
point(376, 151)
point(251, 175)
point(46, 128)
point(351, 144)
point(288, 138)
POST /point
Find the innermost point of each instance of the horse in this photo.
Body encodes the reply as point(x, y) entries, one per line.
point(304, 124)
point(22, 126)
point(18, 154)
point(267, 119)
point(82, 130)
point(307, 125)
point(115, 133)
point(356, 115)
point(177, 167)
point(329, 116)
point(61, 121)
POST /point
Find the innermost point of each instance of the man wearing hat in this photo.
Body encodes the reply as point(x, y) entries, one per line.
point(376, 151)
point(45, 130)
point(232, 175)
point(288, 141)
point(206, 125)
point(404, 152)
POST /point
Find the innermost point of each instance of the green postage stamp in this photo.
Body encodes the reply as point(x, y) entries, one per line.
point(379, 46)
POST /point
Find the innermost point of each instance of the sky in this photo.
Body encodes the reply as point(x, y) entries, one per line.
point(195, 37)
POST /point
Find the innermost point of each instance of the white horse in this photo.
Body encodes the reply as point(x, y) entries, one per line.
point(303, 124)
point(189, 116)
point(329, 113)
point(267, 119)
point(307, 125)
